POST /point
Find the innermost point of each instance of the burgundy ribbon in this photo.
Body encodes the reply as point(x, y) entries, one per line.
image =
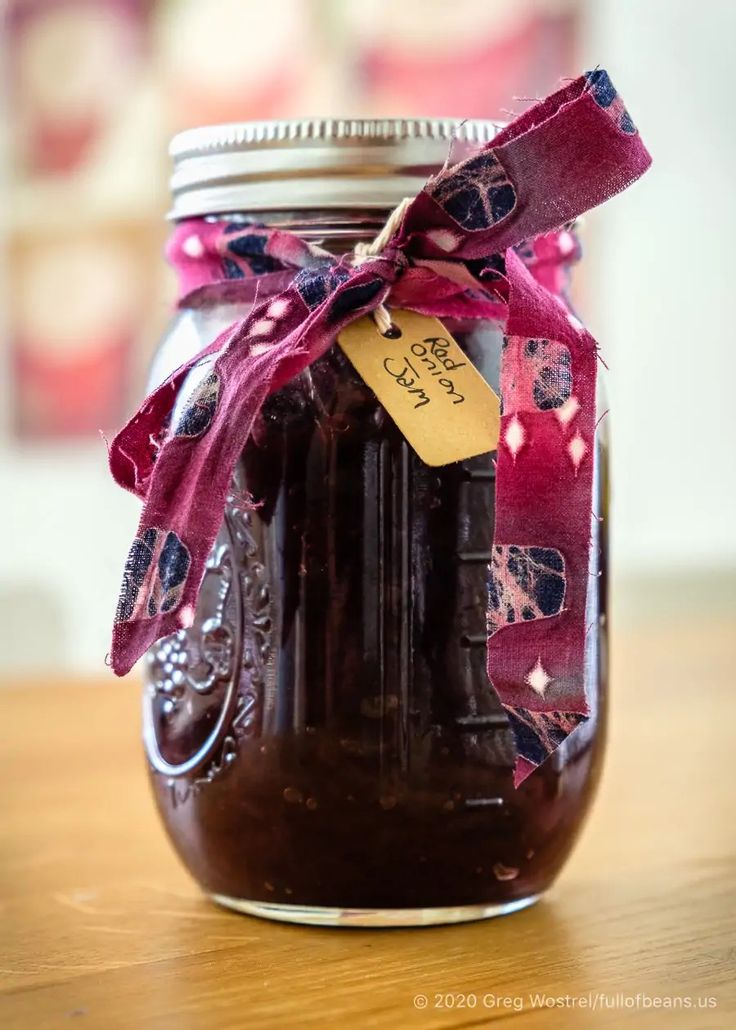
point(462, 250)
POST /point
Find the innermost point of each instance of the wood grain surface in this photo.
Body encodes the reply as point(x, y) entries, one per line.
point(102, 928)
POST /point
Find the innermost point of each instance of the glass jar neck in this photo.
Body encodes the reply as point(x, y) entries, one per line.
point(336, 230)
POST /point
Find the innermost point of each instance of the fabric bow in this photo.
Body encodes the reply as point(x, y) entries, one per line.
point(459, 251)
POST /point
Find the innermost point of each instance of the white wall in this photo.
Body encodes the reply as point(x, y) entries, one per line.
point(661, 268)
point(65, 533)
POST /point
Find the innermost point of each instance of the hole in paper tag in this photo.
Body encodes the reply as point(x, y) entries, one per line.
point(430, 388)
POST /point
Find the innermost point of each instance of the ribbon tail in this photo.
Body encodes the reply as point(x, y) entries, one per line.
point(540, 565)
point(181, 519)
point(134, 450)
point(191, 476)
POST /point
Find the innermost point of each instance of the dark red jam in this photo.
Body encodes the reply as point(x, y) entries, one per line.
point(325, 734)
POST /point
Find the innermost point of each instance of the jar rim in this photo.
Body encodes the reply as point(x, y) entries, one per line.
point(314, 163)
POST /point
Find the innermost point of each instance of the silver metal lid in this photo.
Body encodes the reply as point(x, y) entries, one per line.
point(315, 163)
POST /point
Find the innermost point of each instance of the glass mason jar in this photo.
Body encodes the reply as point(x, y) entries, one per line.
point(324, 745)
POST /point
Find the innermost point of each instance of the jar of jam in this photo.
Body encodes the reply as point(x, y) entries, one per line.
point(324, 744)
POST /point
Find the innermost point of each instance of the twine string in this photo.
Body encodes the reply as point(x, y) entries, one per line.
point(365, 251)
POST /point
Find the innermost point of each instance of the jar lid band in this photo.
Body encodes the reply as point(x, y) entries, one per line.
point(315, 163)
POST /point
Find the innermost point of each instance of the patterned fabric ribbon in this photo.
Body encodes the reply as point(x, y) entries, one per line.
point(462, 250)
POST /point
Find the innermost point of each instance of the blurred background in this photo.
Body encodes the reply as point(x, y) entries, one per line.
point(95, 88)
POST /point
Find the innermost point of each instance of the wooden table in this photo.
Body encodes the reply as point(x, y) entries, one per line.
point(101, 928)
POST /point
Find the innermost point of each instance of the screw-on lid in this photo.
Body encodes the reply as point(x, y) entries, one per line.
point(313, 163)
